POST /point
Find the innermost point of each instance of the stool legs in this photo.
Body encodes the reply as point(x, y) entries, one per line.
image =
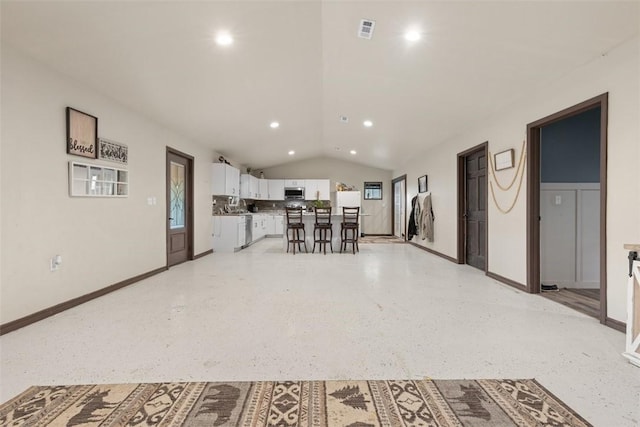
point(322, 239)
point(344, 235)
point(296, 240)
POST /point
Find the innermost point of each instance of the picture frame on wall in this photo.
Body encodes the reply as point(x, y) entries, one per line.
point(82, 134)
point(503, 159)
point(422, 184)
point(113, 151)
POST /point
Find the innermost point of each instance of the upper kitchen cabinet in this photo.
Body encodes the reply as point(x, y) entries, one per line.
point(276, 189)
point(249, 187)
point(317, 189)
point(294, 182)
point(263, 189)
point(225, 180)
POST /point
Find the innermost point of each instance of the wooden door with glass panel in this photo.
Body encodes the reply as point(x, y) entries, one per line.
point(179, 233)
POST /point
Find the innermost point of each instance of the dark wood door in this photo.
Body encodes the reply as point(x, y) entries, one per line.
point(476, 209)
point(179, 208)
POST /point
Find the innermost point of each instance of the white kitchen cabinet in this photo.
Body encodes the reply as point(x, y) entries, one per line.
point(271, 225)
point(276, 189)
point(316, 189)
point(310, 189)
point(249, 187)
point(263, 189)
point(324, 188)
point(294, 183)
point(259, 227)
point(278, 221)
point(225, 180)
point(229, 233)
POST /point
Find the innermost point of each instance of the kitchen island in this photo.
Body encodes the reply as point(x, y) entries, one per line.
point(309, 219)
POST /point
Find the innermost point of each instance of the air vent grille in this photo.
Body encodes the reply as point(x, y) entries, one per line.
point(365, 31)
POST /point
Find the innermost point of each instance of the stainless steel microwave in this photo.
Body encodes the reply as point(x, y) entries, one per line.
point(294, 193)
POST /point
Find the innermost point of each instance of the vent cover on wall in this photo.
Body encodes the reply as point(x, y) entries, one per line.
point(365, 31)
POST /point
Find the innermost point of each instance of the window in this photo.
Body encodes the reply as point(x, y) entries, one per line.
point(373, 191)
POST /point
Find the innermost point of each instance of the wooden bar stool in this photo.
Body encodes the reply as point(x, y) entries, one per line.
point(295, 225)
point(322, 225)
point(349, 229)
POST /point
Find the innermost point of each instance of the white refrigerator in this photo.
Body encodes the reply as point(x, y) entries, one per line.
point(349, 199)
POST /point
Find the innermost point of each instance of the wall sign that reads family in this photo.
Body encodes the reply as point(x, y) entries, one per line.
point(113, 151)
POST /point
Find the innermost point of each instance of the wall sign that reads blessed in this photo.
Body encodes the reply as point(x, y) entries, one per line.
point(82, 133)
point(113, 151)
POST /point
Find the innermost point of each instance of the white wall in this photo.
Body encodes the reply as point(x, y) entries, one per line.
point(352, 174)
point(570, 234)
point(616, 73)
point(102, 241)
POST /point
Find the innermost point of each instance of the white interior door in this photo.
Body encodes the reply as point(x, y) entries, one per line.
point(399, 208)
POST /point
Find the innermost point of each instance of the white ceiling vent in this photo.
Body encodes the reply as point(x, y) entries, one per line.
point(365, 31)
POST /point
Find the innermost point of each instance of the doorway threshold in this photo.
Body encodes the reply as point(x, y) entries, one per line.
point(585, 301)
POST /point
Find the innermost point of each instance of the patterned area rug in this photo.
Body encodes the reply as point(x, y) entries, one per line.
point(380, 239)
point(293, 403)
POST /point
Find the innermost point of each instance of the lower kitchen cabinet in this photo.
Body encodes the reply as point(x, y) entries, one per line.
point(278, 225)
point(234, 232)
point(229, 232)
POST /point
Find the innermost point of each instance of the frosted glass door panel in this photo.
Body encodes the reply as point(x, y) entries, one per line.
point(177, 196)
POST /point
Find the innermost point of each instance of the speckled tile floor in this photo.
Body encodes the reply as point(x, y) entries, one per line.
point(392, 311)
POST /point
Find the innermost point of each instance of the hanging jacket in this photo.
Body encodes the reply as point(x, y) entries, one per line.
point(412, 230)
point(426, 219)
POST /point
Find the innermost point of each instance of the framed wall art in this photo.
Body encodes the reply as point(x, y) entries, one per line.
point(422, 184)
point(503, 159)
point(113, 151)
point(82, 133)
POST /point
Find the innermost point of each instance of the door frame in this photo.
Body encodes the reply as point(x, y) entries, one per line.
point(188, 200)
point(393, 206)
point(533, 193)
point(462, 201)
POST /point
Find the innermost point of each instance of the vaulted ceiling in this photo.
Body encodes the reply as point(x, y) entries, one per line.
point(301, 63)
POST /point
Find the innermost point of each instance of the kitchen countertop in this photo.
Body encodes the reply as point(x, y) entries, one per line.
point(306, 214)
point(248, 213)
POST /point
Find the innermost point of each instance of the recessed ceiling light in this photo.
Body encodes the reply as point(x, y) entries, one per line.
point(291, 152)
point(274, 125)
point(412, 35)
point(368, 123)
point(352, 151)
point(223, 38)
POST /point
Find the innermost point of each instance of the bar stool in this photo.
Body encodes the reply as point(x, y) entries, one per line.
point(349, 228)
point(322, 225)
point(295, 225)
